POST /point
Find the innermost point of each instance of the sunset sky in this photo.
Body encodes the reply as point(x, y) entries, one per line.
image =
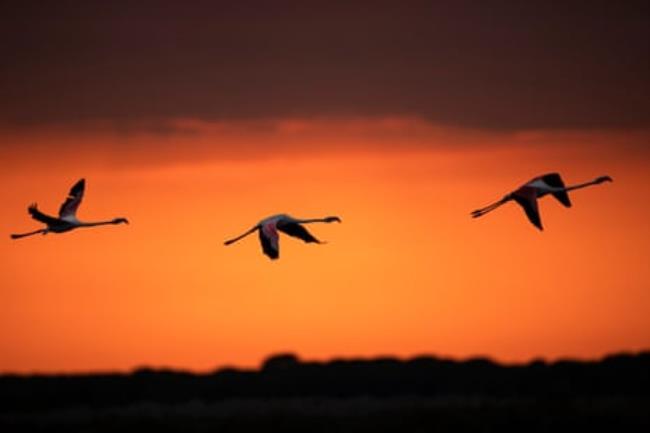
point(195, 120)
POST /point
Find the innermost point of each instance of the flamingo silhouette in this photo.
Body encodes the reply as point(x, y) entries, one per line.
point(526, 195)
point(268, 231)
point(67, 219)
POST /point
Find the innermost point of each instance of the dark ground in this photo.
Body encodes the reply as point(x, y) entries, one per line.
point(382, 395)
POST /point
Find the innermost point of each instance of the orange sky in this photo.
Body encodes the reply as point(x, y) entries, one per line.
point(408, 271)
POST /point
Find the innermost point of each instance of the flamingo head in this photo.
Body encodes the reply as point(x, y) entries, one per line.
point(331, 219)
point(120, 221)
point(602, 179)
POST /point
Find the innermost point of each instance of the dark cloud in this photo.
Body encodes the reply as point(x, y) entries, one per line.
point(505, 65)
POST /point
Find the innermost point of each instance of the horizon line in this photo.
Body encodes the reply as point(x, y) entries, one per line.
point(293, 357)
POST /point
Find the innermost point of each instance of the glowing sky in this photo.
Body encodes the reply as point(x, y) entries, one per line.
point(195, 131)
point(407, 272)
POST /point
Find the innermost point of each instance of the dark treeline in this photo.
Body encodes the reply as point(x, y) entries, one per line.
point(284, 376)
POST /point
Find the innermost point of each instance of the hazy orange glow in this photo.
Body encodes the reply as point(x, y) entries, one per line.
point(407, 272)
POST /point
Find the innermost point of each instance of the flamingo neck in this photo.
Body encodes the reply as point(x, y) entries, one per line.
point(95, 223)
point(314, 220)
point(581, 185)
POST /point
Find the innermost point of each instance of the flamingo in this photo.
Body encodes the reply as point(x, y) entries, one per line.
point(67, 219)
point(526, 195)
point(268, 231)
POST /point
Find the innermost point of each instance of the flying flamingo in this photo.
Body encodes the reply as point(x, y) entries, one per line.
point(268, 231)
point(526, 195)
point(67, 219)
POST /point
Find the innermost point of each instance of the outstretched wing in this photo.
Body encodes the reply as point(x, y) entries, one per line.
point(269, 240)
point(554, 180)
point(40, 216)
point(527, 199)
point(69, 207)
point(297, 231)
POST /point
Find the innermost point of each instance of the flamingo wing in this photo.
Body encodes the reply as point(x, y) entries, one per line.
point(526, 197)
point(297, 231)
point(72, 202)
point(269, 240)
point(554, 180)
point(40, 216)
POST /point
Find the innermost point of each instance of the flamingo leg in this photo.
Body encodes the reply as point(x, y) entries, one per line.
point(23, 235)
point(489, 208)
point(233, 240)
